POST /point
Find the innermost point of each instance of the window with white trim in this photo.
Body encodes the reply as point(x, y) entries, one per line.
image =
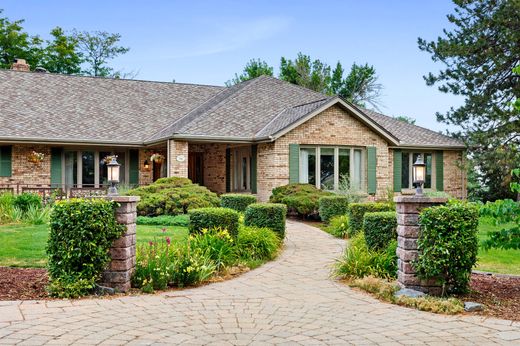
point(326, 166)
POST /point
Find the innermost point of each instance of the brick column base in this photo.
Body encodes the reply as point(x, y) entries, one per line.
point(119, 272)
point(408, 209)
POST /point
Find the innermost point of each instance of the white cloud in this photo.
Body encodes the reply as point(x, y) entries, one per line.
point(228, 35)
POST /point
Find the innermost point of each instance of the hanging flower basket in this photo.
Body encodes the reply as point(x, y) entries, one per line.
point(157, 158)
point(36, 157)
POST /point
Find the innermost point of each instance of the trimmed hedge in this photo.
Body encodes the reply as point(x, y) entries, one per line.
point(380, 229)
point(236, 201)
point(211, 218)
point(448, 244)
point(270, 215)
point(330, 206)
point(26, 200)
point(356, 212)
point(81, 233)
point(301, 199)
point(164, 220)
point(172, 196)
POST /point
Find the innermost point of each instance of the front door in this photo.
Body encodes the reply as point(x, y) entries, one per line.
point(242, 169)
point(196, 168)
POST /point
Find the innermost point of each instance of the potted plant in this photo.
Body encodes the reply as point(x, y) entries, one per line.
point(159, 158)
point(35, 157)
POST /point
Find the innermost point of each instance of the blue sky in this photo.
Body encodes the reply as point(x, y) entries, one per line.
point(208, 41)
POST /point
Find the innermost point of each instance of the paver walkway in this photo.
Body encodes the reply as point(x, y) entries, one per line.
point(288, 301)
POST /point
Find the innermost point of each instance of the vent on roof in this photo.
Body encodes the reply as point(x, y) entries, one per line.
point(40, 69)
point(20, 65)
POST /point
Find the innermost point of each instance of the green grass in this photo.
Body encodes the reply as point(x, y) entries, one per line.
point(24, 245)
point(496, 260)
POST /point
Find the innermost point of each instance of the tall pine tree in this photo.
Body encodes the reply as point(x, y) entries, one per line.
point(479, 55)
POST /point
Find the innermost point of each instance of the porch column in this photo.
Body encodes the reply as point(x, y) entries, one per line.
point(177, 158)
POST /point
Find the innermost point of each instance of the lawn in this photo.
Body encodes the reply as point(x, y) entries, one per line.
point(24, 245)
point(496, 260)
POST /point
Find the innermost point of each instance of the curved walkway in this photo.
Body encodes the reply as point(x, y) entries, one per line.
point(288, 301)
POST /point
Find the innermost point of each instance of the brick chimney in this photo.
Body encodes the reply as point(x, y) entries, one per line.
point(20, 65)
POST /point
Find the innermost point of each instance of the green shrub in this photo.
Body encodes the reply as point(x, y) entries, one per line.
point(356, 212)
point(164, 220)
point(25, 200)
point(81, 233)
point(209, 218)
point(6, 206)
point(301, 199)
point(270, 215)
point(338, 226)
point(330, 206)
point(254, 243)
point(217, 244)
point(380, 229)
point(236, 201)
point(448, 244)
point(173, 196)
point(359, 261)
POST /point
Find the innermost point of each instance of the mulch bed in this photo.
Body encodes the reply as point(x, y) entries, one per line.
point(500, 295)
point(22, 283)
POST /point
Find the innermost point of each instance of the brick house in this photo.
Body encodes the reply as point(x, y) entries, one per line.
point(250, 137)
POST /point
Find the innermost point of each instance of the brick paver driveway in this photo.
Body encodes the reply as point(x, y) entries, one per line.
point(289, 301)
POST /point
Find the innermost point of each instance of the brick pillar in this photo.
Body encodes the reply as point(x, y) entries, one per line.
point(120, 269)
point(408, 209)
point(177, 158)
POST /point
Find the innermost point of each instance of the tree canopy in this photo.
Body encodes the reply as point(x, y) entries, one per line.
point(78, 52)
point(360, 86)
point(479, 55)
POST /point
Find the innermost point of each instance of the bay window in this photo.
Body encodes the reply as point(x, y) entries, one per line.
point(327, 167)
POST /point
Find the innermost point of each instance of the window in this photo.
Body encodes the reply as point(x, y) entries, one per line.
point(408, 159)
point(327, 167)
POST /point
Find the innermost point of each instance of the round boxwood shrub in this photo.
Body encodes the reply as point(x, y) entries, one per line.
point(212, 218)
point(330, 206)
point(300, 199)
point(448, 245)
point(173, 196)
point(26, 200)
point(380, 229)
point(236, 201)
point(356, 212)
point(81, 233)
point(270, 215)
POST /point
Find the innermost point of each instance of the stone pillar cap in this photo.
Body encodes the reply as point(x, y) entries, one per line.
point(123, 199)
point(420, 199)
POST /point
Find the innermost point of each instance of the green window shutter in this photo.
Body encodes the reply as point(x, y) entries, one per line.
point(56, 167)
point(254, 150)
point(294, 163)
point(398, 168)
point(371, 170)
point(133, 169)
point(228, 170)
point(439, 171)
point(5, 161)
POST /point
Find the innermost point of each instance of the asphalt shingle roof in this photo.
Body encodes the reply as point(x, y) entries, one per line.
point(70, 108)
point(51, 106)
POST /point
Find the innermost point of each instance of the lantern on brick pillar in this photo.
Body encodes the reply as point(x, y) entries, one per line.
point(419, 174)
point(113, 175)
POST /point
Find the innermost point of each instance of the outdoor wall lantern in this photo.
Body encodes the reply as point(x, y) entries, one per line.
point(146, 165)
point(113, 175)
point(419, 174)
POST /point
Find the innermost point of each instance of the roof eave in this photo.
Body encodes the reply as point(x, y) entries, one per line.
point(428, 146)
point(65, 141)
